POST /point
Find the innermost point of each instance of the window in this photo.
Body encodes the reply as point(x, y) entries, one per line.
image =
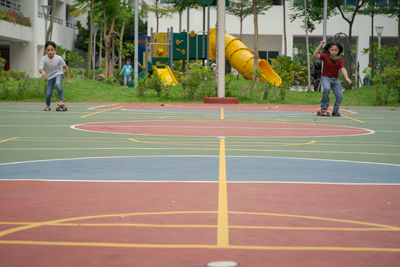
point(277, 2)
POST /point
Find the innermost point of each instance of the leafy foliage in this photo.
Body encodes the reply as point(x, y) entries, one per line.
point(387, 84)
point(14, 17)
point(151, 82)
point(71, 57)
point(198, 83)
point(290, 70)
point(385, 56)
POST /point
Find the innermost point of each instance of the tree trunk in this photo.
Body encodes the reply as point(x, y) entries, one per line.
point(108, 68)
point(120, 46)
point(255, 67)
point(112, 50)
point(101, 48)
point(398, 39)
point(372, 40)
point(89, 56)
point(348, 58)
point(255, 14)
point(53, 14)
point(284, 27)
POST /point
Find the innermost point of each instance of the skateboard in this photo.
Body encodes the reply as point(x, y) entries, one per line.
point(323, 113)
point(61, 107)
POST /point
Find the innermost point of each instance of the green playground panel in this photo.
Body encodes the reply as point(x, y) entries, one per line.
point(211, 2)
point(179, 45)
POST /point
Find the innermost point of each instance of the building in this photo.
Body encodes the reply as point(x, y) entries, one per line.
point(23, 46)
point(271, 39)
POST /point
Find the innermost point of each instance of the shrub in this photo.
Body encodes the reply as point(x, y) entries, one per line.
point(15, 18)
point(286, 67)
point(387, 84)
point(199, 83)
point(151, 82)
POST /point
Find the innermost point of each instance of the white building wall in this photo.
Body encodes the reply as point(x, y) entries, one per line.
point(26, 44)
point(271, 28)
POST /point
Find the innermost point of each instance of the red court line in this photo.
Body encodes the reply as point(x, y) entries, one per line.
point(222, 128)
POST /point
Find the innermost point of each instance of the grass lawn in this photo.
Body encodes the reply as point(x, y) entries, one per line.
point(82, 90)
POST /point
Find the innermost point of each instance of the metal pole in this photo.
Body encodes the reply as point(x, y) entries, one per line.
point(94, 49)
point(187, 41)
point(325, 14)
point(208, 35)
point(379, 30)
point(221, 47)
point(203, 39)
point(136, 56)
point(307, 46)
point(171, 48)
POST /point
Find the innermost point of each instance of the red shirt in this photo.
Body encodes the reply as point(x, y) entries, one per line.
point(331, 68)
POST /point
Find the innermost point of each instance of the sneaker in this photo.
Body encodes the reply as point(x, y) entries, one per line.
point(336, 114)
point(47, 108)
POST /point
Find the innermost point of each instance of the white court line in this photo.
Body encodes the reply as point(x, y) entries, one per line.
point(201, 149)
point(198, 156)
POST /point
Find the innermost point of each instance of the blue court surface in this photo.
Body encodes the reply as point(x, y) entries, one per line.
point(203, 169)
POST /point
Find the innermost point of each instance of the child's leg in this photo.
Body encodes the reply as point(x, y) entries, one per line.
point(59, 87)
point(49, 90)
point(125, 80)
point(337, 90)
point(326, 85)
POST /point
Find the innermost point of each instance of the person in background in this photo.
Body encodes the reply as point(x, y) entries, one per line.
point(368, 74)
point(127, 70)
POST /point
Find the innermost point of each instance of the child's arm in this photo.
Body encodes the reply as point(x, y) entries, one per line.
point(344, 72)
point(315, 54)
point(43, 73)
point(68, 77)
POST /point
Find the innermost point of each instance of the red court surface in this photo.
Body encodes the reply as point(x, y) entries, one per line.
point(107, 224)
point(222, 128)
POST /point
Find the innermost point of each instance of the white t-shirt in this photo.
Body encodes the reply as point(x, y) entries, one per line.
point(53, 67)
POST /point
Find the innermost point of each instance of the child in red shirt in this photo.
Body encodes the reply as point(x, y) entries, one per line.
point(333, 63)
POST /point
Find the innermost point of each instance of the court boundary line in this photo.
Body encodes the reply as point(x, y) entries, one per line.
point(194, 181)
point(201, 156)
point(369, 131)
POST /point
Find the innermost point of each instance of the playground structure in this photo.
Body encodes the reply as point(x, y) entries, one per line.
point(162, 49)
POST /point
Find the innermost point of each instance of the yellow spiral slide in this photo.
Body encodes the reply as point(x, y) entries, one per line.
point(242, 59)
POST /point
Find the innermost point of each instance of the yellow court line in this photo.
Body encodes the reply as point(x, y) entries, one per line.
point(100, 111)
point(360, 121)
point(222, 114)
point(45, 223)
point(307, 228)
point(131, 245)
point(314, 218)
point(9, 139)
point(146, 142)
point(223, 227)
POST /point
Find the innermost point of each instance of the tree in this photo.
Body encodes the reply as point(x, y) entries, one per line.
point(314, 12)
point(82, 6)
point(110, 10)
point(159, 11)
point(284, 27)
point(240, 9)
point(180, 6)
point(49, 32)
point(259, 7)
point(126, 12)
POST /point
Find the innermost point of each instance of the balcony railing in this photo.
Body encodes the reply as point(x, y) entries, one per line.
point(12, 5)
point(56, 20)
